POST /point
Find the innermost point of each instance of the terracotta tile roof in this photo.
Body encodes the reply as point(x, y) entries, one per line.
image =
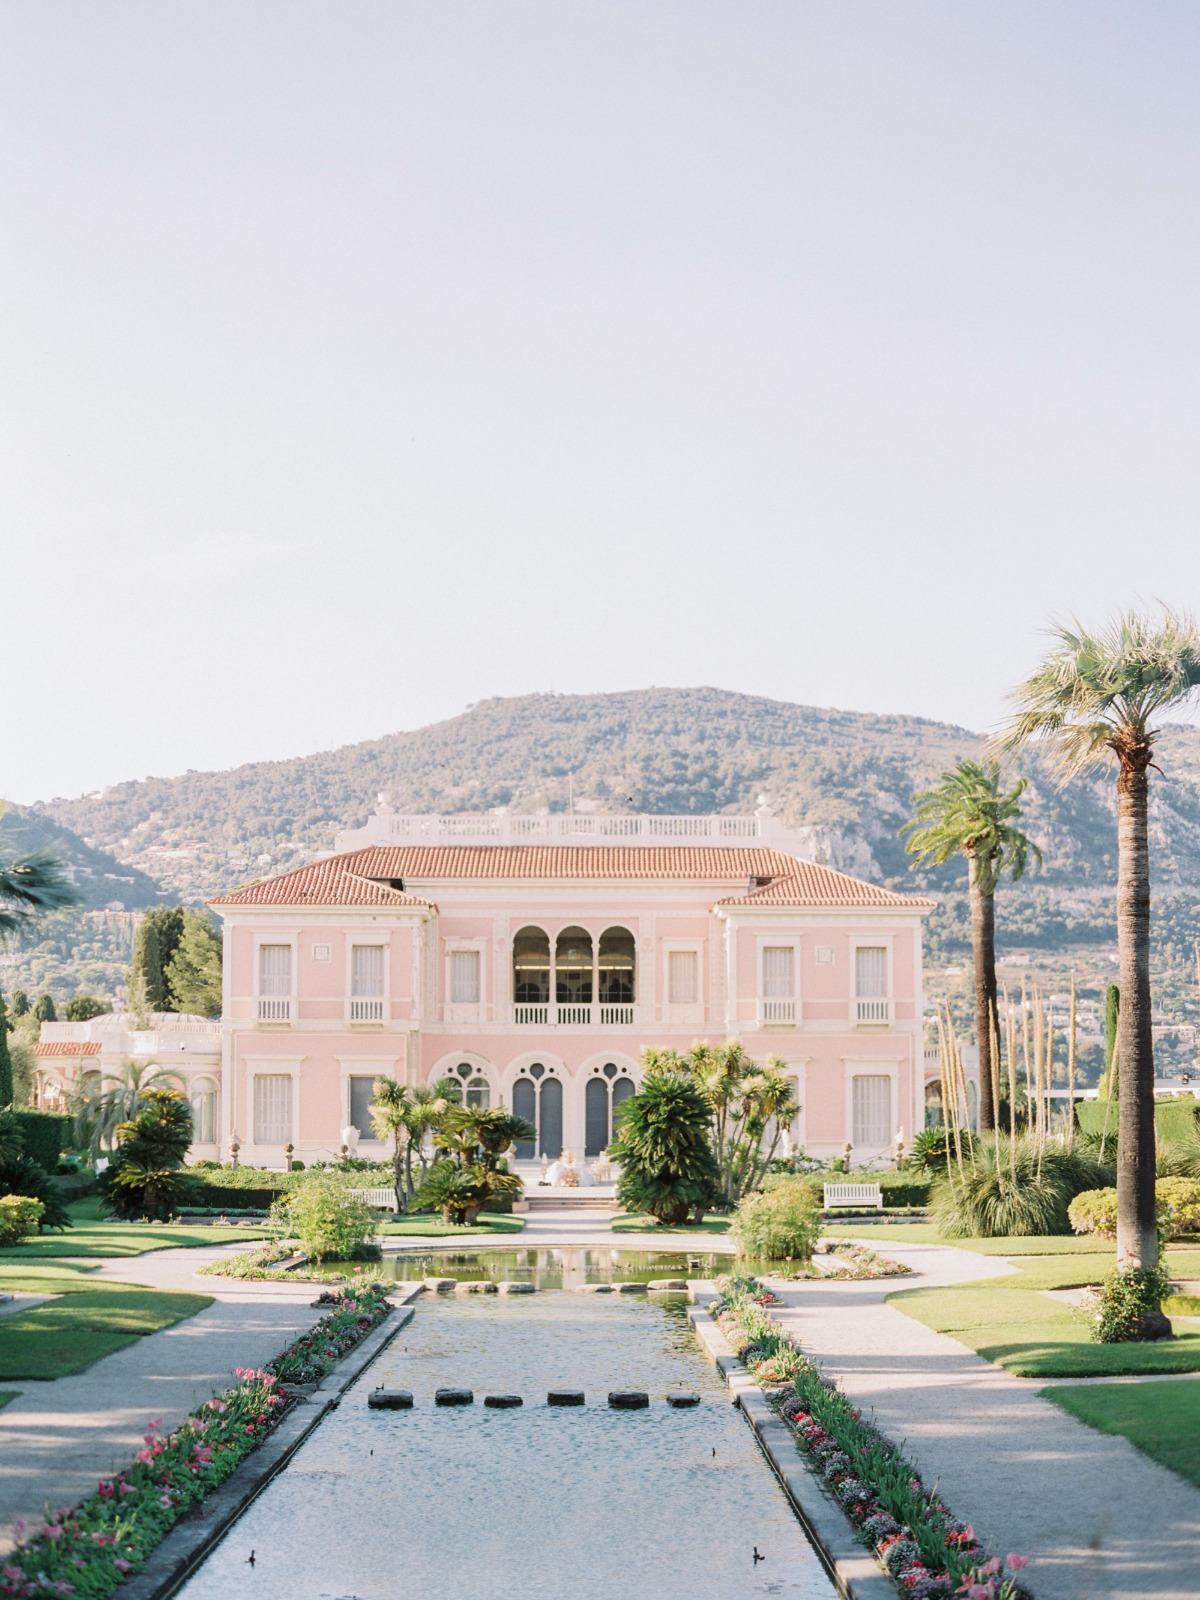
point(530, 862)
point(324, 883)
point(807, 884)
point(67, 1047)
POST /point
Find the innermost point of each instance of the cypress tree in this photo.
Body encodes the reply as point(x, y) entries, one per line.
point(155, 944)
point(6, 1072)
point(43, 1009)
point(20, 1004)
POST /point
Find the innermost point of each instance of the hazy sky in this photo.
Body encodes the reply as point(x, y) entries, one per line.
point(362, 360)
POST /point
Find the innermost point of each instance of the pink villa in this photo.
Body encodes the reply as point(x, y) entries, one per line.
point(532, 959)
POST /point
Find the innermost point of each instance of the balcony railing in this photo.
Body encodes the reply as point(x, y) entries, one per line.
point(872, 1009)
point(366, 1009)
point(771, 1013)
point(573, 1016)
point(274, 1008)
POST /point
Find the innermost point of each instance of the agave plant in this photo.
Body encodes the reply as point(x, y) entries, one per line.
point(1014, 1189)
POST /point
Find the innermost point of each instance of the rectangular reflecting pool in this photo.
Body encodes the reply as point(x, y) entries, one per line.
point(476, 1504)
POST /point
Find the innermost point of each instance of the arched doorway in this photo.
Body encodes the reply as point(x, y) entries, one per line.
point(573, 975)
point(617, 975)
point(605, 1093)
point(538, 1098)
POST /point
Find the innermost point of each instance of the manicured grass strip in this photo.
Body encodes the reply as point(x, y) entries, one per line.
point(1011, 1322)
point(434, 1228)
point(5, 1396)
point(94, 1234)
point(1161, 1419)
point(632, 1222)
point(38, 1278)
point(64, 1336)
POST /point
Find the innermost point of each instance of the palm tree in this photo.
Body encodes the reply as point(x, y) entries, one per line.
point(968, 813)
point(406, 1116)
point(1098, 697)
point(116, 1100)
point(30, 887)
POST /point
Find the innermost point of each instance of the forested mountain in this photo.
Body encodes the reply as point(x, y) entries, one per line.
point(847, 778)
point(100, 880)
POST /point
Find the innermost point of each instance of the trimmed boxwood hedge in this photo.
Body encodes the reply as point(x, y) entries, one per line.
point(45, 1133)
point(899, 1188)
point(1172, 1118)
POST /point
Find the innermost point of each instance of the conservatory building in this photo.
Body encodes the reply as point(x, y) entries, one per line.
point(532, 959)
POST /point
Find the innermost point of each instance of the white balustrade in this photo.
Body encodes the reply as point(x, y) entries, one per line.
point(274, 1008)
point(366, 1009)
point(872, 1009)
point(771, 1013)
point(573, 1016)
point(386, 827)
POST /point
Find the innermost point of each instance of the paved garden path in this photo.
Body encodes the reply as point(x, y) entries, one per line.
point(1097, 1518)
point(58, 1438)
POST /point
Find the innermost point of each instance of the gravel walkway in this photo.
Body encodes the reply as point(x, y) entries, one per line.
point(1096, 1517)
point(58, 1438)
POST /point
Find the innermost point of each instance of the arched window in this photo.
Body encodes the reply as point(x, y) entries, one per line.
point(573, 970)
point(538, 1097)
point(606, 1092)
point(933, 1105)
point(479, 1093)
point(531, 975)
point(204, 1111)
point(618, 967)
point(466, 1085)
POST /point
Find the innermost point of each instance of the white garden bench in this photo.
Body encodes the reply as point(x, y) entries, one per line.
point(853, 1194)
point(381, 1199)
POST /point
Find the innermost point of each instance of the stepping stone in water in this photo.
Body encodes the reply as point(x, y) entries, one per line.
point(484, 1286)
point(440, 1285)
point(629, 1288)
point(667, 1283)
point(502, 1402)
point(565, 1397)
point(628, 1399)
point(516, 1288)
point(682, 1398)
point(593, 1288)
point(390, 1400)
point(454, 1397)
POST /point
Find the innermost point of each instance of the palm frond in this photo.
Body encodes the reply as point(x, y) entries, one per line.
point(969, 813)
point(30, 887)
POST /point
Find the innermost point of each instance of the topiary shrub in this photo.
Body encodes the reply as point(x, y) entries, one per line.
point(664, 1147)
point(146, 1179)
point(1094, 1211)
point(1025, 1191)
point(779, 1223)
point(20, 1216)
point(329, 1223)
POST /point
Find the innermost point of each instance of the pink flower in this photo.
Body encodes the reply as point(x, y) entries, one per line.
point(991, 1566)
point(145, 1457)
point(106, 1490)
point(53, 1530)
point(1017, 1562)
point(121, 1564)
point(980, 1591)
point(20, 1524)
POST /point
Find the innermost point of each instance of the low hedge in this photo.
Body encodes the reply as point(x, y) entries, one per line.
point(45, 1134)
point(899, 1188)
point(1173, 1119)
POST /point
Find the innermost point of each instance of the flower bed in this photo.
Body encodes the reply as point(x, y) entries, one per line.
point(265, 1262)
point(854, 1261)
point(87, 1550)
point(926, 1551)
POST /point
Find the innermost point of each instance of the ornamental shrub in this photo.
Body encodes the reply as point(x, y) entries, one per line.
point(1095, 1211)
point(1021, 1191)
point(19, 1175)
point(1177, 1203)
point(146, 1179)
point(779, 1223)
point(20, 1216)
point(1129, 1305)
point(323, 1215)
point(45, 1135)
point(664, 1147)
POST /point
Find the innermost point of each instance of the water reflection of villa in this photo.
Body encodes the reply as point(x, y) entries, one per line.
point(533, 958)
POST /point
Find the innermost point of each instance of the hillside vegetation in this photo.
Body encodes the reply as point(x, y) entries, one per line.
point(846, 778)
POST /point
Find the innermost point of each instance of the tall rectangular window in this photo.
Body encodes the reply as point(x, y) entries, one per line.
point(464, 977)
point(362, 1093)
point(871, 1105)
point(366, 971)
point(204, 1116)
point(272, 1108)
point(778, 974)
point(275, 969)
point(683, 977)
point(870, 973)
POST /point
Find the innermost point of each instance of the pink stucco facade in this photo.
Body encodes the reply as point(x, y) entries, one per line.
point(522, 967)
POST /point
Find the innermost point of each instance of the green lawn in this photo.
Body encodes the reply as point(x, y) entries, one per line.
point(5, 1396)
point(1163, 1419)
point(89, 1321)
point(633, 1222)
point(434, 1228)
point(1009, 1321)
point(94, 1234)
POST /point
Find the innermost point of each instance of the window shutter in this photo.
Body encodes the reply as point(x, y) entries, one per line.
point(362, 1093)
point(872, 1110)
point(778, 981)
point(272, 1108)
point(366, 971)
point(870, 973)
point(275, 969)
point(682, 974)
point(464, 977)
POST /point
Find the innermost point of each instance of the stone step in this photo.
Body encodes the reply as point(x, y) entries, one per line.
point(570, 1200)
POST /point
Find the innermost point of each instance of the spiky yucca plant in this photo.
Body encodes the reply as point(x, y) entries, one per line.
point(1014, 1190)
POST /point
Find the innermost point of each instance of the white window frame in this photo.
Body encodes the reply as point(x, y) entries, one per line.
point(276, 1009)
point(368, 1009)
point(206, 1084)
point(872, 1014)
point(797, 1067)
point(872, 1067)
point(463, 1010)
point(774, 1013)
point(365, 1067)
point(684, 1015)
point(265, 1068)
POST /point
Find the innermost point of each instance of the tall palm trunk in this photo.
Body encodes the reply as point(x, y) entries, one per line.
point(1137, 1238)
point(983, 943)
